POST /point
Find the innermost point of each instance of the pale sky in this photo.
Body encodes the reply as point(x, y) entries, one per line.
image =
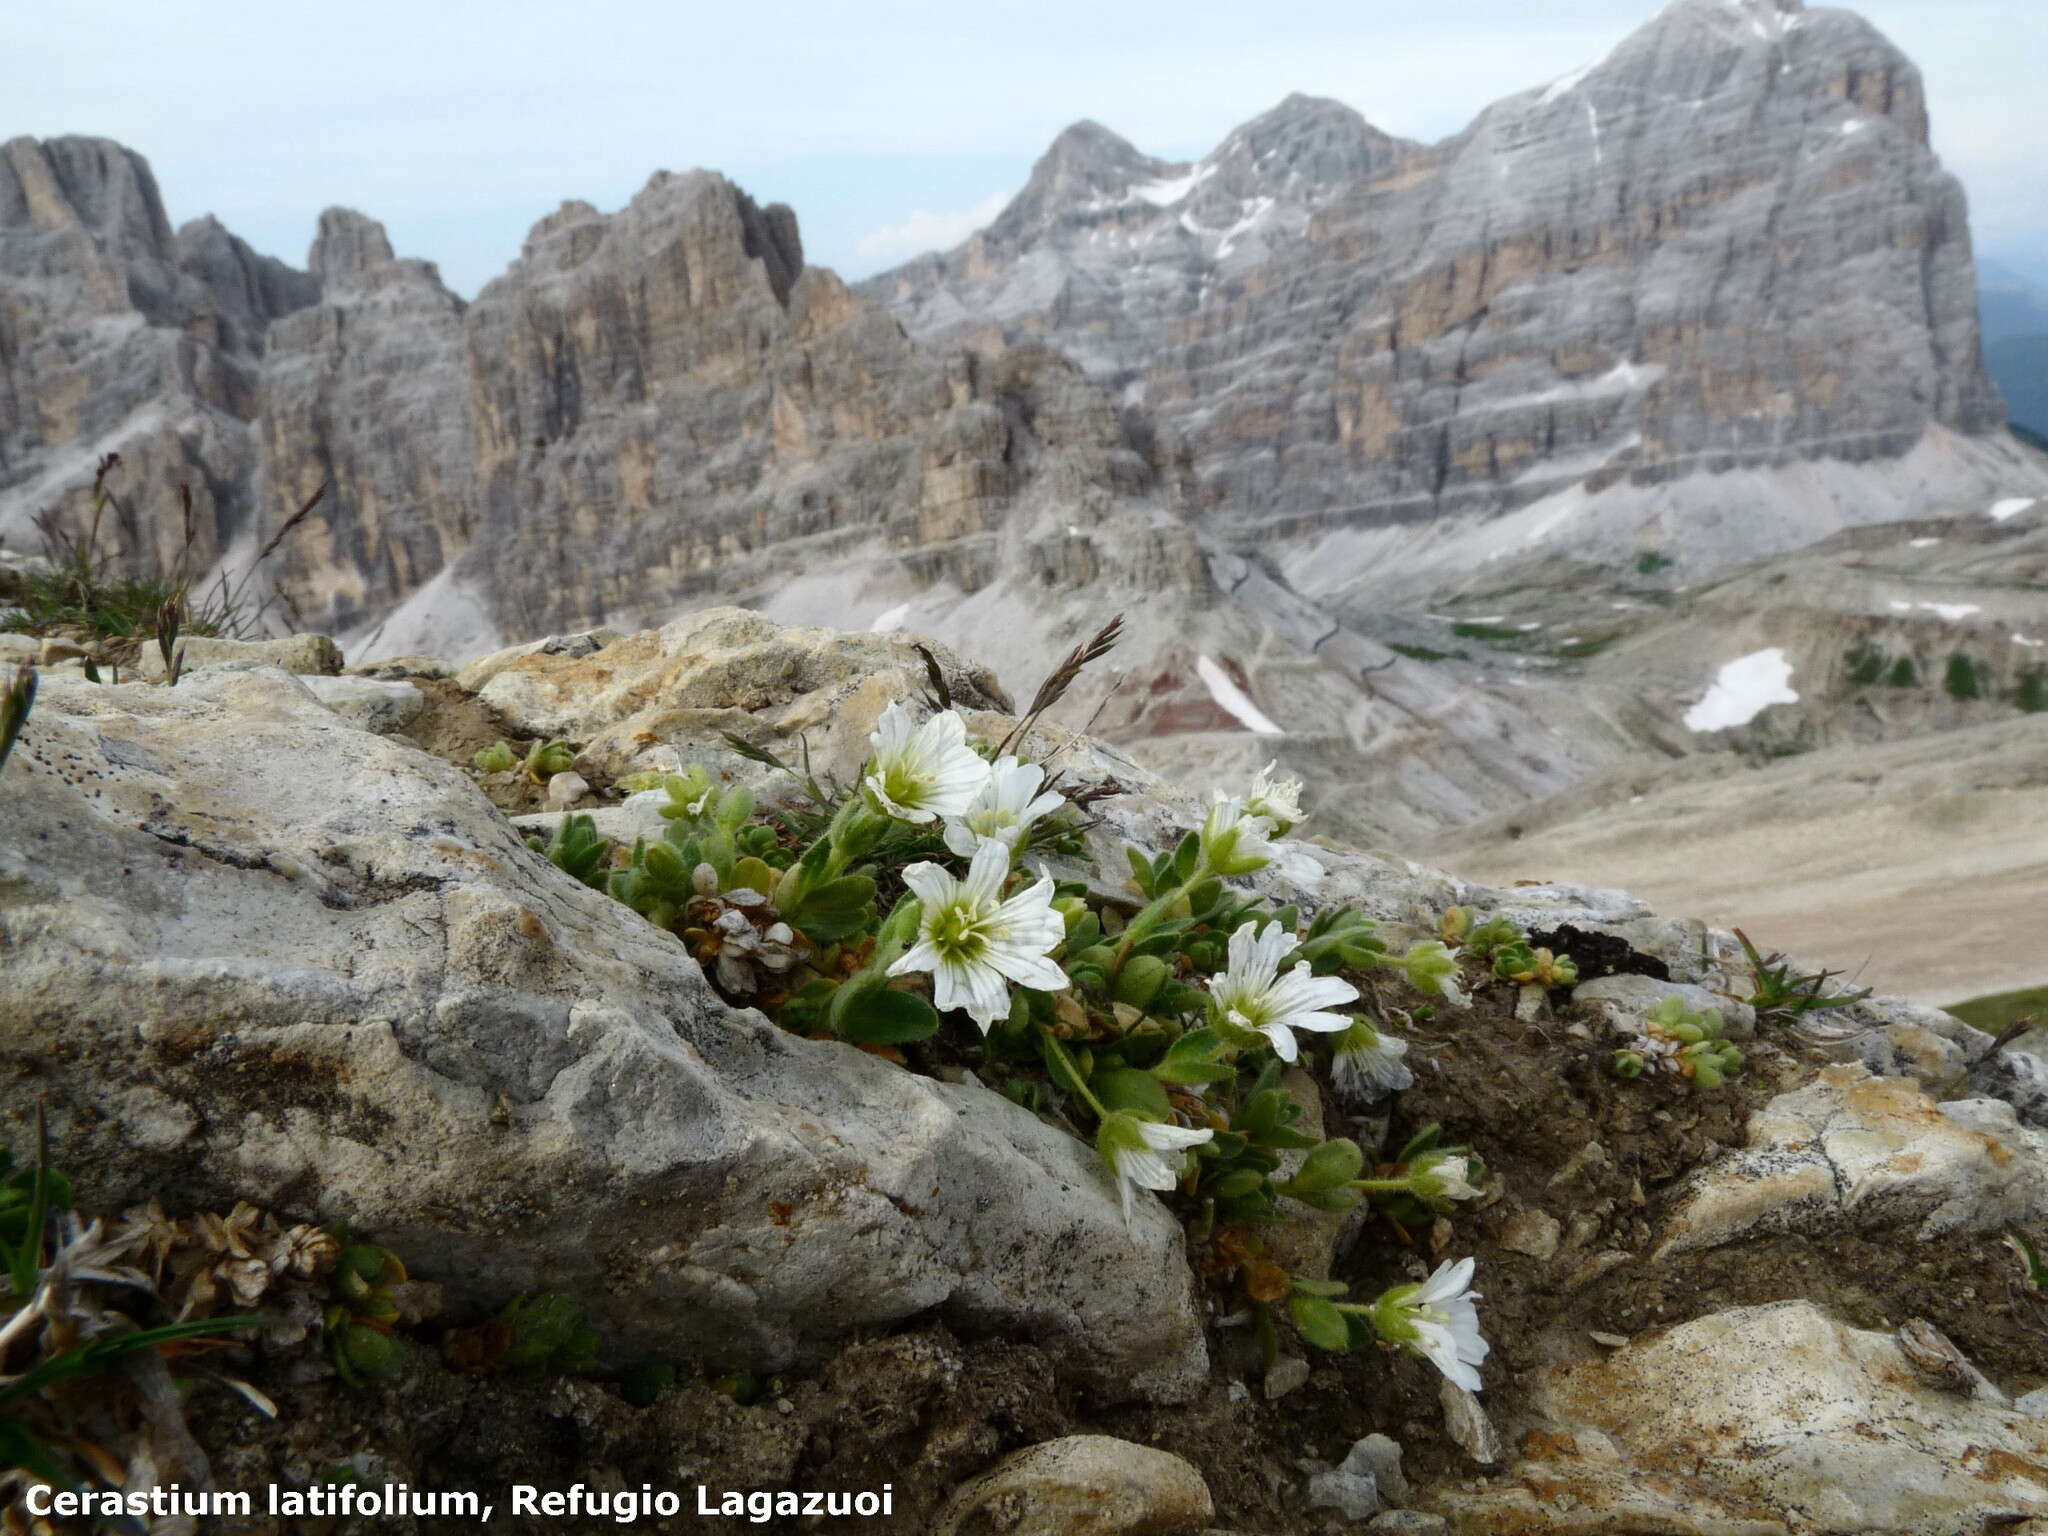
point(891, 126)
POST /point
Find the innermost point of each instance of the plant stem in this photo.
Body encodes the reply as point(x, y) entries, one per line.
point(1141, 926)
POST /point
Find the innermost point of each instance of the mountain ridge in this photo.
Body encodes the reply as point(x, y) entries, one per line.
point(1707, 299)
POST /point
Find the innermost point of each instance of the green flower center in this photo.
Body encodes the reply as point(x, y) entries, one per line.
point(903, 787)
point(960, 932)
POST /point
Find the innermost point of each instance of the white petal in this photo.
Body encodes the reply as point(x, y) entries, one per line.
point(1147, 1167)
point(1026, 968)
point(1172, 1137)
point(961, 839)
point(932, 885)
point(922, 956)
point(991, 997)
point(1044, 805)
point(1283, 1041)
point(952, 985)
point(1449, 1281)
point(892, 730)
point(986, 874)
point(1436, 1343)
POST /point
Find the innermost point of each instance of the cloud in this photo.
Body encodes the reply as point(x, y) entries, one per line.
point(925, 231)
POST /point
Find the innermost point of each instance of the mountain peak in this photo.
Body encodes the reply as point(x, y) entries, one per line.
point(346, 243)
point(1086, 165)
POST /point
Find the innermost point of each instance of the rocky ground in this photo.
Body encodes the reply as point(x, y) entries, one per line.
point(267, 936)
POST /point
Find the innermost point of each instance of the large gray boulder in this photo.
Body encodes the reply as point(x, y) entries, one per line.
point(251, 951)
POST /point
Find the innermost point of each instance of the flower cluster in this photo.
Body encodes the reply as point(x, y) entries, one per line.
point(1675, 1039)
point(1167, 1021)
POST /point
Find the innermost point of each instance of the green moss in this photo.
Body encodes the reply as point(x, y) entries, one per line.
point(1423, 653)
point(1866, 666)
point(1904, 674)
point(1650, 562)
point(1579, 650)
point(1963, 680)
point(1492, 634)
point(2032, 693)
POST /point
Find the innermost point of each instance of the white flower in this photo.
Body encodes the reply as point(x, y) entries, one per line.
point(920, 773)
point(1443, 1176)
point(1252, 995)
point(1004, 810)
point(1144, 1153)
point(1278, 800)
point(1234, 841)
point(1366, 1063)
point(970, 939)
point(1437, 1320)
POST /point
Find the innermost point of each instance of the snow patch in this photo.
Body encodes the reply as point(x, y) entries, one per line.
point(1745, 688)
point(888, 622)
point(1953, 613)
point(1233, 700)
point(1921, 543)
point(2029, 643)
point(1855, 125)
point(1168, 190)
point(2012, 506)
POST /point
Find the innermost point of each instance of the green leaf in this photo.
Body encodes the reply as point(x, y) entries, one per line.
point(1424, 1140)
point(1332, 1164)
point(835, 909)
point(1186, 857)
point(1324, 1288)
point(888, 1017)
point(1141, 868)
point(1141, 980)
point(1192, 1059)
point(665, 864)
point(1319, 1322)
point(1238, 1183)
point(1126, 1088)
point(1085, 934)
point(1225, 1146)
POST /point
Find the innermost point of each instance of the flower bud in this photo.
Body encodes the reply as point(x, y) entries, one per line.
point(1235, 842)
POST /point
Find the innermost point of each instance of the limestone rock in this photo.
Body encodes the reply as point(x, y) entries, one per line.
point(331, 962)
point(1368, 1479)
point(1084, 1485)
point(1759, 1422)
point(1534, 1233)
point(655, 699)
point(385, 708)
point(1876, 1152)
point(313, 655)
point(1632, 997)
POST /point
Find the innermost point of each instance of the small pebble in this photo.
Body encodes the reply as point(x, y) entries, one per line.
point(1284, 1376)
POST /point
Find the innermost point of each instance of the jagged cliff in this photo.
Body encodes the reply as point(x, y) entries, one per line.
point(117, 335)
point(1727, 246)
